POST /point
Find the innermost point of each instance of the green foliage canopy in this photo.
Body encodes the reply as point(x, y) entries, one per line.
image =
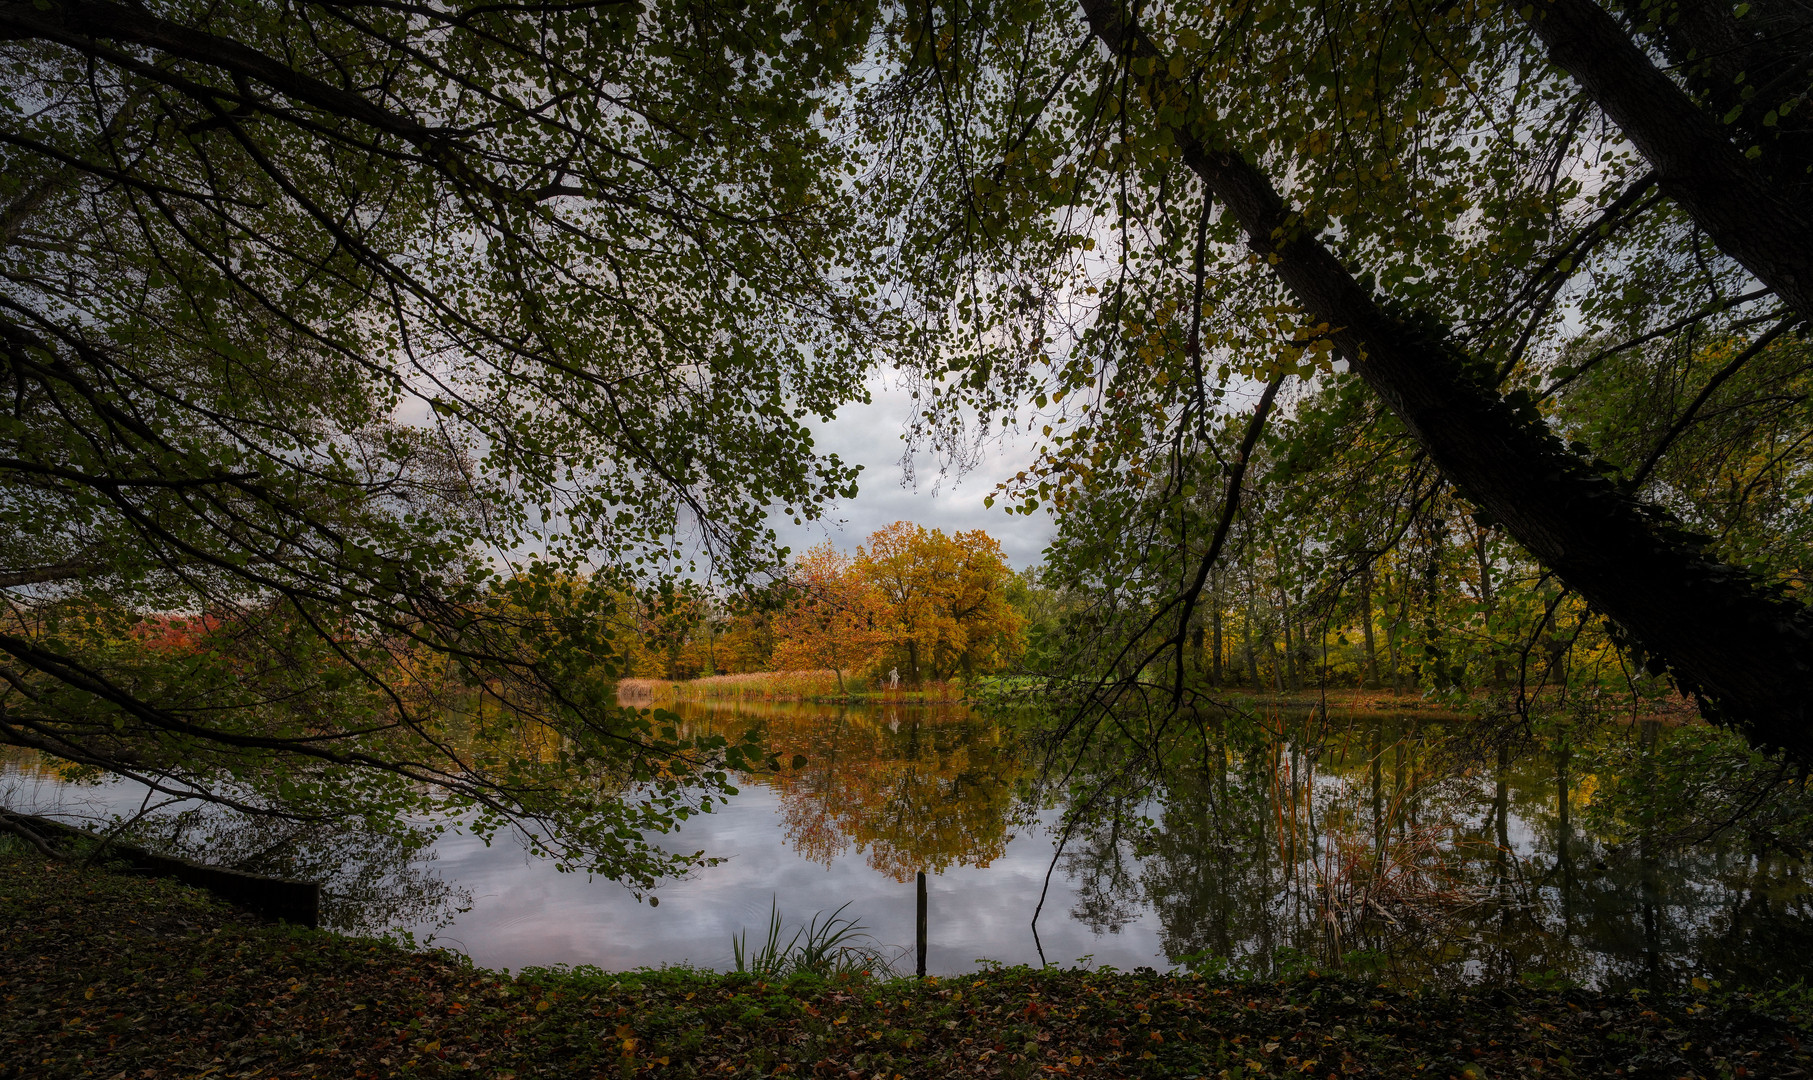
point(341, 340)
point(1129, 217)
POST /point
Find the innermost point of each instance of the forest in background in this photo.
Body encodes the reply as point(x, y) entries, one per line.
point(369, 366)
point(911, 600)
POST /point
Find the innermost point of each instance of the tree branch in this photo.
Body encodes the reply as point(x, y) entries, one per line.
point(66, 570)
point(1230, 505)
point(1694, 160)
point(1712, 384)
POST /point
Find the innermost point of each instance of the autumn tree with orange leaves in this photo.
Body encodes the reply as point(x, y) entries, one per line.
point(835, 619)
point(945, 599)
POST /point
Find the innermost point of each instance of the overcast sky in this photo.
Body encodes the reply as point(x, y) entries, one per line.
point(870, 435)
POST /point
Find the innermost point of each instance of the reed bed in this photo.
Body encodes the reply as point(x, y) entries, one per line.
point(783, 686)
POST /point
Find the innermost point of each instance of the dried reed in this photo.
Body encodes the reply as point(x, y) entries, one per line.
point(779, 686)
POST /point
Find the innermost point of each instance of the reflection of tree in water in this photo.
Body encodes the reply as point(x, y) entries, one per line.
point(1206, 867)
point(1209, 876)
point(1103, 868)
point(917, 788)
point(370, 881)
point(1440, 869)
point(1643, 913)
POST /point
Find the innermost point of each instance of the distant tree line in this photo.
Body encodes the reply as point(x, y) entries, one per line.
point(915, 601)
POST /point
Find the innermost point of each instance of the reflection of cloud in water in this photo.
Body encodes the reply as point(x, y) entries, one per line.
point(974, 912)
point(1235, 867)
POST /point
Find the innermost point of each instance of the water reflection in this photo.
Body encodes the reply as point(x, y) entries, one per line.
point(371, 881)
point(1373, 846)
point(1376, 841)
point(912, 788)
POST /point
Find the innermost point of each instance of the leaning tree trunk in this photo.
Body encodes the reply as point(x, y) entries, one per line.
point(1731, 196)
point(1742, 650)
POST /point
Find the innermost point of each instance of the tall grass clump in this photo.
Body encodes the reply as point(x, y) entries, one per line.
point(646, 690)
point(841, 948)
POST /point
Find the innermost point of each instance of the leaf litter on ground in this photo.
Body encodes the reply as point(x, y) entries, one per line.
point(116, 976)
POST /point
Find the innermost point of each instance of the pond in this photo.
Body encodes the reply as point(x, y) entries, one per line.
point(1361, 839)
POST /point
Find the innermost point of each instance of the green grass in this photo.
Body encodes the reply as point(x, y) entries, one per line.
point(839, 947)
point(105, 975)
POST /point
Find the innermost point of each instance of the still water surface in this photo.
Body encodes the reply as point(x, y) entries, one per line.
point(1359, 836)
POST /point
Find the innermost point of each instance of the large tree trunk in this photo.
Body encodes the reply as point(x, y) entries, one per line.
point(1752, 220)
point(1742, 650)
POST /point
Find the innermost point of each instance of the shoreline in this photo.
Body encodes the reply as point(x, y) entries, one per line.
point(103, 974)
point(1358, 701)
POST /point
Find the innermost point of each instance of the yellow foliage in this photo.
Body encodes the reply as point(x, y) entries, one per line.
point(944, 600)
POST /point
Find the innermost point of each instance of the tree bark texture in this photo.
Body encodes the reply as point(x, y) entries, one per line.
point(1696, 163)
point(1743, 67)
point(1743, 650)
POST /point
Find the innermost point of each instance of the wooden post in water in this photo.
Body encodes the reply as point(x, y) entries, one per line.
point(919, 925)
